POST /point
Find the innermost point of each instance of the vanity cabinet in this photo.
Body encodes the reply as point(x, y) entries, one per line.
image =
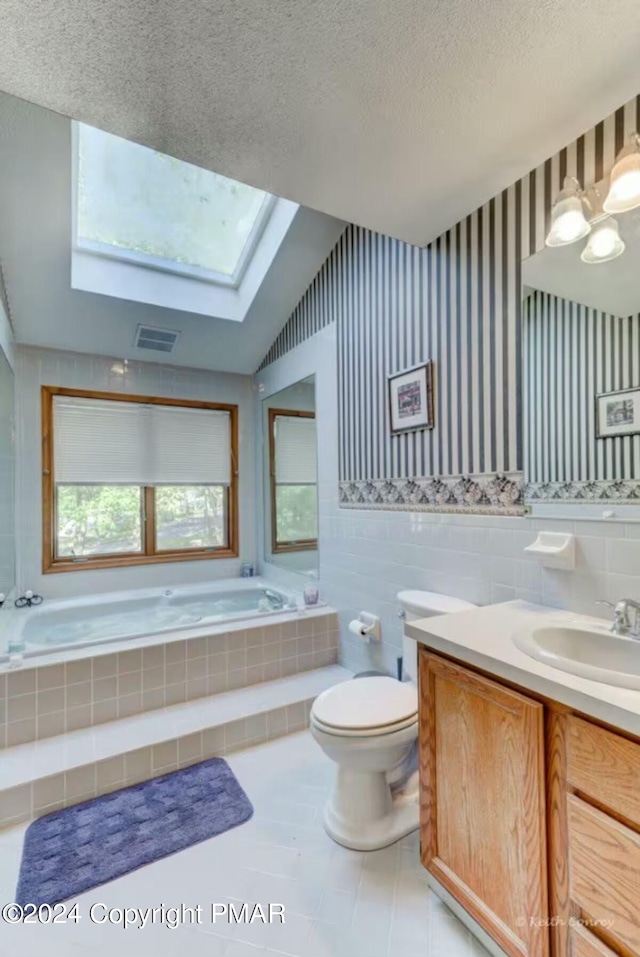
point(530, 815)
point(483, 801)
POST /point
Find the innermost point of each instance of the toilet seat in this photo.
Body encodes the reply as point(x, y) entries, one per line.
point(366, 707)
point(364, 732)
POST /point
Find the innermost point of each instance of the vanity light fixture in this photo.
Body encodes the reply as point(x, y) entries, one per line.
point(624, 186)
point(577, 213)
point(568, 220)
point(604, 242)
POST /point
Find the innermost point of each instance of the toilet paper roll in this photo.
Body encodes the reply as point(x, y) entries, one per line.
point(357, 628)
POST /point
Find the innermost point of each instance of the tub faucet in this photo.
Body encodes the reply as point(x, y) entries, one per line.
point(626, 617)
point(276, 600)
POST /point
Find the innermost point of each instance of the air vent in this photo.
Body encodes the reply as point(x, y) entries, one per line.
point(159, 340)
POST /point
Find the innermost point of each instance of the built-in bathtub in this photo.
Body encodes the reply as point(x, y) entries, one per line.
point(64, 687)
point(57, 625)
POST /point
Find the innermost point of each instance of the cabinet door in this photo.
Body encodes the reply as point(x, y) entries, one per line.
point(482, 826)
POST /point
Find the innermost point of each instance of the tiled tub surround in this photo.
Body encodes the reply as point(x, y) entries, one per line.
point(89, 687)
point(42, 777)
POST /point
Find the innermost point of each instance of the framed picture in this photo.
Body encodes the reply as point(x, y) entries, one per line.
point(411, 398)
point(617, 413)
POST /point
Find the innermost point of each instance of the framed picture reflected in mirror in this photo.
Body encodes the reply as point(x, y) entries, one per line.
point(618, 413)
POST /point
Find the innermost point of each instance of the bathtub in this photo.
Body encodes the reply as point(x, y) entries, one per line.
point(75, 623)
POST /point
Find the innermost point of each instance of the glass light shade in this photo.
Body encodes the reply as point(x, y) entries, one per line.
point(604, 243)
point(624, 187)
point(568, 221)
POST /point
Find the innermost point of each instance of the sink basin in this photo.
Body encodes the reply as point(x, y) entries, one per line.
point(579, 650)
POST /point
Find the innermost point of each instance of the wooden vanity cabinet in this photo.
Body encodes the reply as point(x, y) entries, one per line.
point(483, 833)
point(530, 816)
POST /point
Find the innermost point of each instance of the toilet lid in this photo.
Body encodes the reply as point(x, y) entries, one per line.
point(366, 703)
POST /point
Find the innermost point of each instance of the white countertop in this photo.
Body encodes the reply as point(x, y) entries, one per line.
point(482, 638)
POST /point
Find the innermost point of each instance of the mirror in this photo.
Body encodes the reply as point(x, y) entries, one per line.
point(7, 466)
point(290, 479)
point(581, 374)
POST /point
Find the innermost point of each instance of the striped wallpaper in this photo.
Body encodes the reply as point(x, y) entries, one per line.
point(448, 302)
point(457, 301)
point(572, 353)
point(315, 310)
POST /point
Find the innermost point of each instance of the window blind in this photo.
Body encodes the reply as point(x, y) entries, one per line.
point(104, 442)
point(295, 450)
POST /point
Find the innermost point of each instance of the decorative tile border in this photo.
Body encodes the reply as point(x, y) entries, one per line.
point(620, 491)
point(489, 494)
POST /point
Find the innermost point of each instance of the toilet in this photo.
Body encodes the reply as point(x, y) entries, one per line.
point(369, 727)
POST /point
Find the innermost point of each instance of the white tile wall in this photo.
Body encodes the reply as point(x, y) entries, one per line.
point(37, 367)
point(367, 556)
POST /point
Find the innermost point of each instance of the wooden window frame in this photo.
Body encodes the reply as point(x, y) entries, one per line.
point(304, 545)
point(150, 556)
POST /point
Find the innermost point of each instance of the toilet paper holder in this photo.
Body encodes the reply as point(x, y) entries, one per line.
point(366, 626)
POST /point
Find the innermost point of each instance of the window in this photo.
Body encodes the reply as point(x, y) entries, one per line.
point(133, 479)
point(137, 204)
point(293, 468)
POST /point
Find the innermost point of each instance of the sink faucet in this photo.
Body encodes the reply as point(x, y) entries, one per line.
point(626, 617)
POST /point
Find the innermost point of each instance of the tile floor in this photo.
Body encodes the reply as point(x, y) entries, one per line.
point(338, 903)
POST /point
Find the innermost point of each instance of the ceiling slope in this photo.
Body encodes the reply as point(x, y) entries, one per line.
point(35, 250)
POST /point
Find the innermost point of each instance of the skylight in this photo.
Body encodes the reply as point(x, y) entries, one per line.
point(139, 205)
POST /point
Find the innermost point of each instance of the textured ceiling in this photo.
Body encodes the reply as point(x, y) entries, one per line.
point(400, 115)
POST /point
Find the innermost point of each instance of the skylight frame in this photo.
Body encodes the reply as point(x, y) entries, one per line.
point(148, 261)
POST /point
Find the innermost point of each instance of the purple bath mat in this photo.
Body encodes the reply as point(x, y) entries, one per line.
point(71, 851)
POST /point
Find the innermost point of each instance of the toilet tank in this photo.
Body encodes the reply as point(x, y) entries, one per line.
point(423, 604)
